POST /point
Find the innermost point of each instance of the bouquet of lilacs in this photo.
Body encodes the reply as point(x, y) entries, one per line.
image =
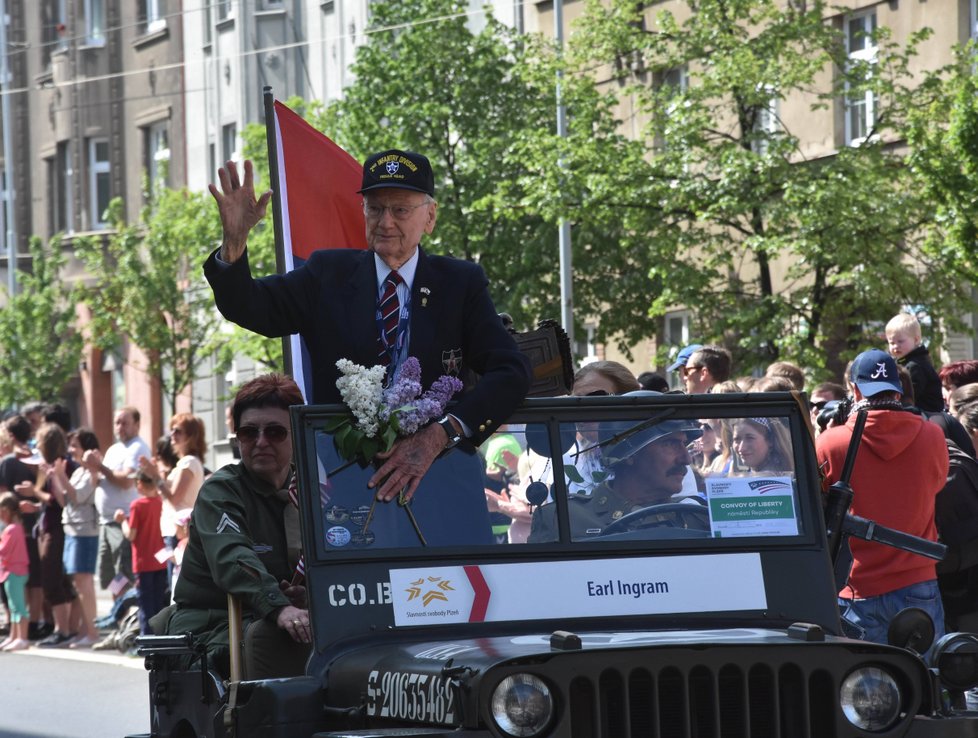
point(379, 415)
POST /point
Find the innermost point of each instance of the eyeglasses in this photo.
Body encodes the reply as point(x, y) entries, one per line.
point(273, 433)
point(820, 404)
point(176, 431)
point(398, 212)
point(684, 370)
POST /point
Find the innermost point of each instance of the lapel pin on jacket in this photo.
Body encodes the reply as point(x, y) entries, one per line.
point(424, 296)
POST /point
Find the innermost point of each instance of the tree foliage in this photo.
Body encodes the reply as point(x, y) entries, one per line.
point(148, 286)
point(776, 253)
point(943, 136)
point(40, 347)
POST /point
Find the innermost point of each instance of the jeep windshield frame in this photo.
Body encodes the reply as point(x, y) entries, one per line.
point(359, 577)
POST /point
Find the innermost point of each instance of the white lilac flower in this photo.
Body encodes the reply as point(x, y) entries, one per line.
point(361, 389)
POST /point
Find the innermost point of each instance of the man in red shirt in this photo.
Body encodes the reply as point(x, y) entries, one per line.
point(901, 466)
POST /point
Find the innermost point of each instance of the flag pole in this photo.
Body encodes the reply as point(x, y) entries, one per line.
point(270, 139)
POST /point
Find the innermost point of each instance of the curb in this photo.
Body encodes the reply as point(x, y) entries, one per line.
point(84, 655)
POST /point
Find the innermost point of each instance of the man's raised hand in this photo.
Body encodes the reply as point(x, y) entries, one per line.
point(240, 210)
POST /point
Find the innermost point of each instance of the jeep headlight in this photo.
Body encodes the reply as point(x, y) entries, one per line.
point(522, 705)
point(870, 699)
point(956, 659)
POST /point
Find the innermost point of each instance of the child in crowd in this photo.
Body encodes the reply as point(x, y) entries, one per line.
point(905, 344)
point(143, 528)
point(183, 538)
point(13, 571)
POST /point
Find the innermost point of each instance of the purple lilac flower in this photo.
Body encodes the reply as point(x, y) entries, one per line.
point(430, 405)
point(405, 388)
point(442, 390)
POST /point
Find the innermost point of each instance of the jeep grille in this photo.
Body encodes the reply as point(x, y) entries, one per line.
point(722, 700)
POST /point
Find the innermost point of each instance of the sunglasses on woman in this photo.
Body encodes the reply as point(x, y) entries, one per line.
point(274, 433)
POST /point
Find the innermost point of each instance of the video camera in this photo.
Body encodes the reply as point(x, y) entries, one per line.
point(834, 410)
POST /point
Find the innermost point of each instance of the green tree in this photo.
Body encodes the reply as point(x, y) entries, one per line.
point(149, 286)
point(709, 204)
point(943, 139)
point(40, 347)
point(426, 82)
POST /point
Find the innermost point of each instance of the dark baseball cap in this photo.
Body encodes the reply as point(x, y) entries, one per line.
point(403, 170)
point(875, 371)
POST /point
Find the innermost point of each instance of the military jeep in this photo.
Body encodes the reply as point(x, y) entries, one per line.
point(571, 612)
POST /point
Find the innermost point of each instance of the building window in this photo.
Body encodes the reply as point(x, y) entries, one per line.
point(766, 124)
point(208, 24)
point(269, 4)
point(95, 22)
point(60, 177)
point(670, 84)
point(99, 182)
point(229, 141)
point(62, 26)
point(157, 156)
point(154, 15)
point(862, 52)
point(225, 10)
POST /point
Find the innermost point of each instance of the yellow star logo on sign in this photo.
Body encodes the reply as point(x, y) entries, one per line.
point(440, 586)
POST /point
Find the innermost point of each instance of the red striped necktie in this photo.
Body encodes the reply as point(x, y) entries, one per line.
point(390, 315)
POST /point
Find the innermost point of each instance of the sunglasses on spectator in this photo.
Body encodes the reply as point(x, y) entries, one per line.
point(597, 393)
point(273, 433)
point(820, 404)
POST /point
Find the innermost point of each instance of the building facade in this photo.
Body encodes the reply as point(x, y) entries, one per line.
point(108, 97)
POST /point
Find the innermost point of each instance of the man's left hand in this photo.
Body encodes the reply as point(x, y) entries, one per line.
point(406, 463)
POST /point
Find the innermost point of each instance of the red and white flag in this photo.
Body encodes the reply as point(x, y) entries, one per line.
point(316, 205)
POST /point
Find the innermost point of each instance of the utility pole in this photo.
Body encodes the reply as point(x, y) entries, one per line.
point(10, 231)
point(564, 232)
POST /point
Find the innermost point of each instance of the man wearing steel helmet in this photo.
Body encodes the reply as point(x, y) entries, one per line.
point(649, 463)
point(440, 309)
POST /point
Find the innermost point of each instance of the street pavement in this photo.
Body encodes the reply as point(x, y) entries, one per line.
point(65, 693)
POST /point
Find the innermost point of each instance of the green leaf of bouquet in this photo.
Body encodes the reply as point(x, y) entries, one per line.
point(349, 441)
point(572, 473)
point(388, 437)
point(369, 448)
point(334, 424)
point(338, 437)
point(599, 475)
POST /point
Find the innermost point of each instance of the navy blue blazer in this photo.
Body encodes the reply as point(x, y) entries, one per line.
point(331, 301)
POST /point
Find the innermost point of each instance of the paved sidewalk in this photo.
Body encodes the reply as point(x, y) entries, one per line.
point(113, 656)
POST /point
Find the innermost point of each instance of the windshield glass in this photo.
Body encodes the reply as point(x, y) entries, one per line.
point(621, 474)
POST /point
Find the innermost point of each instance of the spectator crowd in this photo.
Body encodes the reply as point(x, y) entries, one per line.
point(75, 518)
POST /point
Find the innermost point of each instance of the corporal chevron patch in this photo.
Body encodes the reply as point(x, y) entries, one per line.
point(225, 522)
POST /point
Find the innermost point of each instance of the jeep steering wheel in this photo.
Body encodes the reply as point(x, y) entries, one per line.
point(686, 515)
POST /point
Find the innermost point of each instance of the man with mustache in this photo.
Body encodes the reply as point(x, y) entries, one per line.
point(648, 465)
